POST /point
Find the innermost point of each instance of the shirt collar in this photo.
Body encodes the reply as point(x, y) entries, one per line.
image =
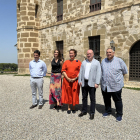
point(88, 61)
point(111, 59)
point(37, 61)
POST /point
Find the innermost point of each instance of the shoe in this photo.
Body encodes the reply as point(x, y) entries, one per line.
point(106, 115)
point(73, 111)
point(119, 119)
point(55, 107)
point(82, 114)
point(33, 106)
point(69, 111)
point(91, 116)
point(40, 106)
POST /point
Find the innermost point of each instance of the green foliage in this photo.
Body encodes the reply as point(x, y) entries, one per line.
point(8, 67)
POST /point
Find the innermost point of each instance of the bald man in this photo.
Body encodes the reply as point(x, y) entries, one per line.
point(89, 79)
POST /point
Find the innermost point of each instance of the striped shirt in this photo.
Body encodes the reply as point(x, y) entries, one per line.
point(112, 74)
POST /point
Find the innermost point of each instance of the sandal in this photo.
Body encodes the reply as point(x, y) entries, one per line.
point(54, 107)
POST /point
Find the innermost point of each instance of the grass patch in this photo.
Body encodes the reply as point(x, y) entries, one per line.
point(132, 88)
point(7, 73)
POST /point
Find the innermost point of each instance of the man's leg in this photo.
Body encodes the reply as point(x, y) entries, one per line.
point(92, 91)
point(34, 91)
point(84, 99)
point(40, 82)
point(118, 102)
point(107, 101)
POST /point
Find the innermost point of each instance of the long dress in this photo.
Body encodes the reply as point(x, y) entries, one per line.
point(55, 83)
point(70, 90)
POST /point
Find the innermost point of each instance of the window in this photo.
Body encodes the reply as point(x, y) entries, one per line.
point(59, 10)
point(95, 5)
point(18, 6)
point(36, 10)
point(59, 45)
point(94, 44)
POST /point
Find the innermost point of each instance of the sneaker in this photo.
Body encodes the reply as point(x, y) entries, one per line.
point(119, 119)
point(105, 115)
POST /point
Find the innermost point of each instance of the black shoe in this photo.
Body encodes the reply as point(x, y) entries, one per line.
point(33, 106)
point(73, 111)
point(91, 116)
point(82, 114)
point(55, 107)
point(69, 111)
point(40, 106)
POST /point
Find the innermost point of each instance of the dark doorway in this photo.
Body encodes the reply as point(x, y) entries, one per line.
point(94, 44)
point(59, 46)
point(134, 73)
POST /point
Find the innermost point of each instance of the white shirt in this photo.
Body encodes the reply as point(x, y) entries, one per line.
point(88, 66)
point(37, 69)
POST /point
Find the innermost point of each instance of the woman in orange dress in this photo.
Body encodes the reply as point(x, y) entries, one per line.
point(70, 86)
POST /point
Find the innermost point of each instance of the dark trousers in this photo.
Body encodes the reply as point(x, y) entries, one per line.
point(91, 91)
point(117, 99)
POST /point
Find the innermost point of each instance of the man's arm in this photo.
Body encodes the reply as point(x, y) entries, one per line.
point(98, 74)
point(44, 69)
point(80, 75)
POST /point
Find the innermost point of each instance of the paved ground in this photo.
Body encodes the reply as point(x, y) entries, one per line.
point(17, 121)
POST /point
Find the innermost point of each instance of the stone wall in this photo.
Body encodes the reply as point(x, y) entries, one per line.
point(118, 20)
point(27, 33)
point(121, 24)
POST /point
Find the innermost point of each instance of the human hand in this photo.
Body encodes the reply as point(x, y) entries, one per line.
point(96, 86)
point(80, 84)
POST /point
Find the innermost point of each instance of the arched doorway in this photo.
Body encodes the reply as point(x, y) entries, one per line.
point(134, 73)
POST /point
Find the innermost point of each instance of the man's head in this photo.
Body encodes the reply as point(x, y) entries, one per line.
point(36, 55)
point(90, 55)
point(110, 53)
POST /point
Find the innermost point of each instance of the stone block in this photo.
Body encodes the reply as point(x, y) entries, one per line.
point(32, 40)
point(87, 33)
point(22, 13)
point(25, 18)
point(31, 13)
point(24, 34)
point(27, 55)
point(35, 45)
point(23, 39)
point(30, 23)
point(20, 55)
point(27, 45)
point(101, 31)
point(26, 50)
point(32, 34)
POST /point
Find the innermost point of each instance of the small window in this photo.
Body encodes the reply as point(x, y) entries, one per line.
point(59, 46)
point(36, 10)
point(94, 44)
point(59, 10)
point(18, 6)
point(95, 5)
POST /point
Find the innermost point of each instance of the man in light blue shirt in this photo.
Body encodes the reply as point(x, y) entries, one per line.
point(113, 70)
point(38, 70)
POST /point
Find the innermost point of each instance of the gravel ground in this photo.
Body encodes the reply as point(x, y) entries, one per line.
point(17, 121)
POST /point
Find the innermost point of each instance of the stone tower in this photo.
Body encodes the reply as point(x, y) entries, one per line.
point(27, 33)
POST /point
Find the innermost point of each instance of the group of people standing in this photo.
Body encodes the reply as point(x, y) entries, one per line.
point(67, 78)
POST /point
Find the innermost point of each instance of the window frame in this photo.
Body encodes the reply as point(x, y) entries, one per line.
point(95, 7)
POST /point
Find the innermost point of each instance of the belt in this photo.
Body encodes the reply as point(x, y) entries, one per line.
point(37, 77)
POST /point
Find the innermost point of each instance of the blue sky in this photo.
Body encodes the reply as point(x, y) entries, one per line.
point(8, 34)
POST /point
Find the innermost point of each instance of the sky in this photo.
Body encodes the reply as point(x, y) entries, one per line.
point(8, 33)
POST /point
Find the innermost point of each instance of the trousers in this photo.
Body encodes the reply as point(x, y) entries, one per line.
point(37, 83)
point(116, 98)
point(91, 91)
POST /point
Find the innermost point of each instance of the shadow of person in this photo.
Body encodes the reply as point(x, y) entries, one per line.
point(44, 101)
point(101, 109)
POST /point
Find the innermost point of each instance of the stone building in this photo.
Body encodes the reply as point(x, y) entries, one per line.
point(80, 24)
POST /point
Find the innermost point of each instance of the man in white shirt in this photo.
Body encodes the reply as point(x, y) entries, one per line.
point(37, 69)
point(89, 79)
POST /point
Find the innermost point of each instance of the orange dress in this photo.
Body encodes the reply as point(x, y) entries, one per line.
point(70, 90)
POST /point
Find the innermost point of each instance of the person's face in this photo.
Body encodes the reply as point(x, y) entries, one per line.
point(36, 56)
point(71, 54)
point(90, 55)
point(56, 53)
point(110, 54)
